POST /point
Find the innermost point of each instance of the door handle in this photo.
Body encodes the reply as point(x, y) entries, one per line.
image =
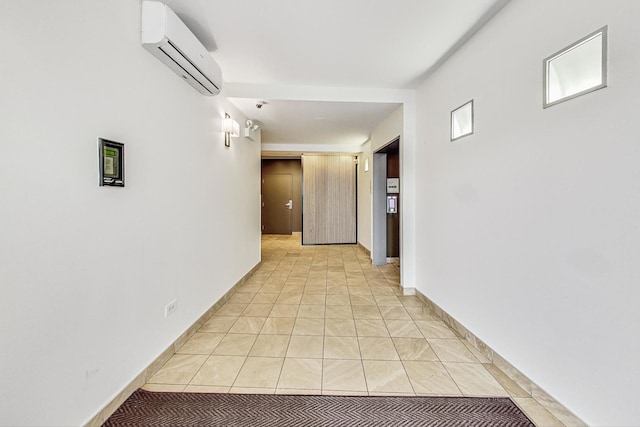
point(289, 204)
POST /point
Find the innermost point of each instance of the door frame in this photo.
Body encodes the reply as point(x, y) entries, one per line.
point(379, 205)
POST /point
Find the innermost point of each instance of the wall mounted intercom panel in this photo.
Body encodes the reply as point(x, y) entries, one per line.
point(392, 204)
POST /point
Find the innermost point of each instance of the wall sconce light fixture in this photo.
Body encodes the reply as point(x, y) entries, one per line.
point(231, 128)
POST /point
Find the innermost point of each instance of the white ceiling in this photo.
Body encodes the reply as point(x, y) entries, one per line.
point(312, 122)
point(329, 43)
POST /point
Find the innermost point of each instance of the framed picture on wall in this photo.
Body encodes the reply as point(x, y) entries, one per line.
point(111, 163)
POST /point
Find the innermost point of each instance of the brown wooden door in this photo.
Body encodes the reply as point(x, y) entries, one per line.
point(276, 195)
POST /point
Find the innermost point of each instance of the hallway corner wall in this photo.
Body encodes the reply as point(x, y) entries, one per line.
point(391, 128)
point(364, 195)
point(86, 271)
point(386, 131)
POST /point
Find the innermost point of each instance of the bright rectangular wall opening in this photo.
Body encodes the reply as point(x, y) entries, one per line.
point(462, 121)
point(577, 69)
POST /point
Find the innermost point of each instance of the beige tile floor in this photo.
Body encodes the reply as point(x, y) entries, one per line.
point(323, 320)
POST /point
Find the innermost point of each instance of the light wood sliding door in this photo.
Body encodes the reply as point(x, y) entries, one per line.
point(328, 199)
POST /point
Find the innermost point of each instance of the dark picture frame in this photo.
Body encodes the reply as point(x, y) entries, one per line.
point(111, 163)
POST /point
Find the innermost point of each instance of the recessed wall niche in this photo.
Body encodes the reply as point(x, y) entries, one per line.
point(576, 70)
point(462, 121)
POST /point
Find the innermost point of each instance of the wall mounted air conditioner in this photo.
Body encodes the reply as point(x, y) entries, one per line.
point(169, 39)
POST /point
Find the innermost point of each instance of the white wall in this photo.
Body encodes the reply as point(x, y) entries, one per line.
point(387, 130)
point(364, 195)
point(85, 271)
point(530, 229)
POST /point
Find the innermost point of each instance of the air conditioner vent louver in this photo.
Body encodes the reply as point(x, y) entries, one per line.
point(169, 40)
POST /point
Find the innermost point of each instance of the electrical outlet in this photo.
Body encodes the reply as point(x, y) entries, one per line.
point(170, 308)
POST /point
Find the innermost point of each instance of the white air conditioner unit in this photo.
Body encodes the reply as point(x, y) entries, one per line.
point(169, 39)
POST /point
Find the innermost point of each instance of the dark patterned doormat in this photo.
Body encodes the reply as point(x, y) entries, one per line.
point(146, 408)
